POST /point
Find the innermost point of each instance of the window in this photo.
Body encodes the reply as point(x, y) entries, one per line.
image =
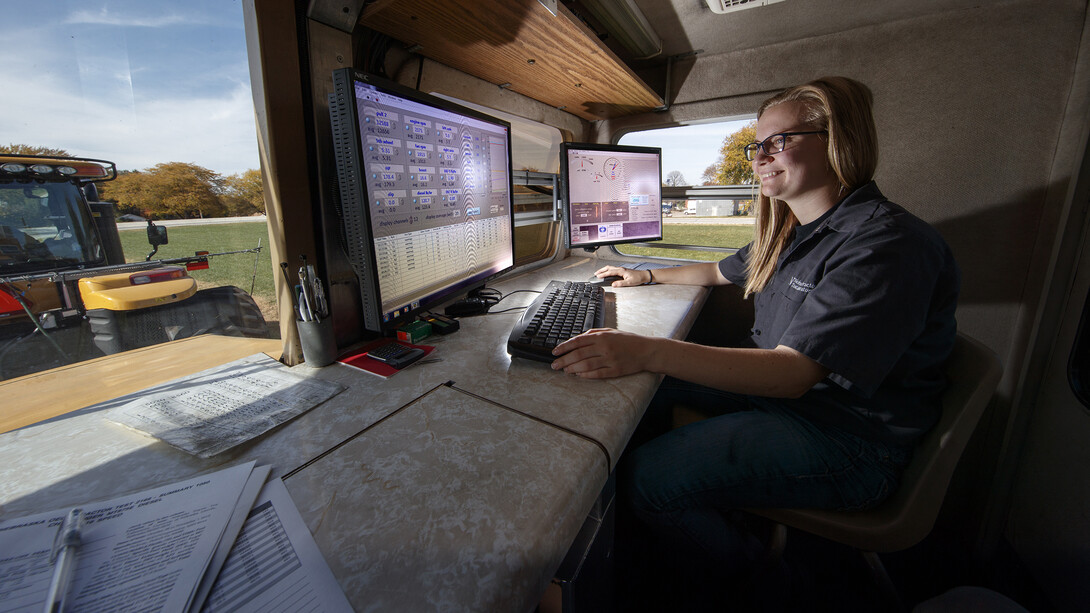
point(164, 95)
point(708, 189)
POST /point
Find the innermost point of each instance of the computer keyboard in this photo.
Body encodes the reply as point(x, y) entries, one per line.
point(563, 310)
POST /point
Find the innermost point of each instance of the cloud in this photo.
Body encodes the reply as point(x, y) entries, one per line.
point(153, 93)
point(216, 132)
point(105, 18)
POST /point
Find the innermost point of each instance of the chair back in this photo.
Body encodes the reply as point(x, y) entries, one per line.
point(909, 514)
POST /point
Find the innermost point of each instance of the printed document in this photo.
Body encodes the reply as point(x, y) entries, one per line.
point(275, 565)
point(146, 551)
point(212, 411)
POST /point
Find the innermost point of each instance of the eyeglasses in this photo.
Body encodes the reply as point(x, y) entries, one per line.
point(774, 144)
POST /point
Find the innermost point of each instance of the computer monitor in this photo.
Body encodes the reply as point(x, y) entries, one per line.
point(612, 193)
point(425, 196)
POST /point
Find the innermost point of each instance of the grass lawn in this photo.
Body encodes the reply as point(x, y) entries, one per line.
point(731, 236)
point(237, 270)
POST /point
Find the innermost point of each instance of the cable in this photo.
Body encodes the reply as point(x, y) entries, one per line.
point(523, 291)
point(18, 296)
point(518, 308)
point(377, 47)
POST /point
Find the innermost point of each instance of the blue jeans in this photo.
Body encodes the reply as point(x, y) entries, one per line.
point(755, 453)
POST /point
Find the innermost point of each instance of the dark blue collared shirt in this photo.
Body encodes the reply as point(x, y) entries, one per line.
point(869, 294)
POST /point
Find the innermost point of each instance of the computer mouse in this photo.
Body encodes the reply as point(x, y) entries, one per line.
point(604, 280)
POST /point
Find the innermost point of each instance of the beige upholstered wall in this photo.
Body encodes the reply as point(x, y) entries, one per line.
point(982, 116)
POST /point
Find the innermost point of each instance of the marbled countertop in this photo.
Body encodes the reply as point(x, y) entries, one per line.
point(454, 484)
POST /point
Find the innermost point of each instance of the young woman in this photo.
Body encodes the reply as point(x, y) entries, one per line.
point(854, 303)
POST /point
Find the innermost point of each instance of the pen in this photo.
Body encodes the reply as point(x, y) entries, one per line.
point(63, 558)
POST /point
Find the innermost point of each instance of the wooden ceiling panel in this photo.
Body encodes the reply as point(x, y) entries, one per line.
point(554, 59)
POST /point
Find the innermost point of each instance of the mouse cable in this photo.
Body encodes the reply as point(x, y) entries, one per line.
point(518, 308)
point(518, 291)
point(522, 291)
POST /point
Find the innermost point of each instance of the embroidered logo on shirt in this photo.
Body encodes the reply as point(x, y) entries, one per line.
point(801, 286)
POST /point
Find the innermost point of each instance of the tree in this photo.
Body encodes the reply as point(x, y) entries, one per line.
point(708, 176)
point(171, 190)
point(732, 168)
point(245, 194)
point(674, 178)
point(20, 149)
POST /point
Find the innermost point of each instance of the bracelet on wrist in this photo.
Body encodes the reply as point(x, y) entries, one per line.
point(650, 278)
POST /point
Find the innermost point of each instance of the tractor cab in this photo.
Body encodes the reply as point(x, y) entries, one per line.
point(45, 221)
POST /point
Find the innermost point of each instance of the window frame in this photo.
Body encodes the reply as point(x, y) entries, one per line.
point(691, 192)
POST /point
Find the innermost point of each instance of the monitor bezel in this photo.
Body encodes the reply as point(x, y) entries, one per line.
point(357, 195)
point(565, 147)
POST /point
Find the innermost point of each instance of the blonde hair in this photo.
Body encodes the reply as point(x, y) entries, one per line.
point(842, 107)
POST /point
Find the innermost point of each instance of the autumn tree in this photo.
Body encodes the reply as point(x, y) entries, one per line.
point(20, 149)
point(708, 176)
point(732, 168)
point(171, 190)
point(245, 194)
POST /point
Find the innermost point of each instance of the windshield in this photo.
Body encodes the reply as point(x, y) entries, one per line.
point(43, 227)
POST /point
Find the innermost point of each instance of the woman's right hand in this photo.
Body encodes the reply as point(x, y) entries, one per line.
point(629, 278)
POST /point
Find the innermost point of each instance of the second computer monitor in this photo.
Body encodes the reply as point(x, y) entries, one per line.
point(613, 193)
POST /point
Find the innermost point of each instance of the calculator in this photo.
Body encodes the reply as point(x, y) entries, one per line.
point(396, 355)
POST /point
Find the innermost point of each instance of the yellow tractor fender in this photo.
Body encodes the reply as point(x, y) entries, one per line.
point(139, 290)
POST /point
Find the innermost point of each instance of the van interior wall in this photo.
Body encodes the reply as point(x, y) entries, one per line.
point(975, 107)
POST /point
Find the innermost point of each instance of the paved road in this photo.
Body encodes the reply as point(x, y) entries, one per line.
point(709, 221)
point(139, 225)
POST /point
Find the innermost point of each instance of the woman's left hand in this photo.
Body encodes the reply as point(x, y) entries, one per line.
point(603, 353)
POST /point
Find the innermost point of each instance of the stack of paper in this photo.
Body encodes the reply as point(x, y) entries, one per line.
point(170, 549)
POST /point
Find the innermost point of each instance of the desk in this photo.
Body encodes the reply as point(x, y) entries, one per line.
point(456, 484)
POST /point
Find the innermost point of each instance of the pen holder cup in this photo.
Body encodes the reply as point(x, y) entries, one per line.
point(319, 345)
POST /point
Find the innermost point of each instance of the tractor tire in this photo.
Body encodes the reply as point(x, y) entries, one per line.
point(24, 350)
point(228, 311)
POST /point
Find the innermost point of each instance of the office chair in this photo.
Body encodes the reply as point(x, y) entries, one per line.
point(907, 516)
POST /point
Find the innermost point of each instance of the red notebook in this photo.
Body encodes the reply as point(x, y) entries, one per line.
point(358, 358)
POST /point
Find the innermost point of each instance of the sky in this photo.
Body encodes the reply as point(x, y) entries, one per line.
point(686, 149)
point(136, 82)
point(143, 82)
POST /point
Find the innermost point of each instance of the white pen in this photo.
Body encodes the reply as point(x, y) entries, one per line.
point(63, 557)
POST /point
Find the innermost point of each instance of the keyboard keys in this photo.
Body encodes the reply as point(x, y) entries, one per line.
point(563, 310)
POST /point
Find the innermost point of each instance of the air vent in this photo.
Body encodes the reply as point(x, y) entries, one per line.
point(729, 6)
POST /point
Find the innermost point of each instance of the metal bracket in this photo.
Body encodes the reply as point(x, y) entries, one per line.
point(549, 4)
point(342, 14)
point(669, 69)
